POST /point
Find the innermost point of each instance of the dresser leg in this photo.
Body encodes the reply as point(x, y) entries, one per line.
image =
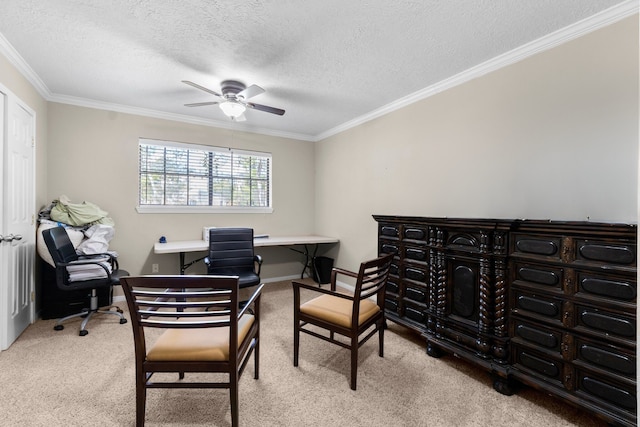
point(433, 351)
point(502, 385)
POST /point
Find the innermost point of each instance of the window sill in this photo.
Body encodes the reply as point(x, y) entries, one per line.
point(200, 210)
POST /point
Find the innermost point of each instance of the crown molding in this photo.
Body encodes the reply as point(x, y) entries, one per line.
point(557, 38)
point(100, 105)
point(21, 65)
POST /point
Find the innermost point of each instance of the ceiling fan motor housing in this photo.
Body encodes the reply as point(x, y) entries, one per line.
point(230, 88)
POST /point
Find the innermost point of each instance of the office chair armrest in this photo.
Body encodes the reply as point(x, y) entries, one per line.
point(298, 285)
point(112, 259)
point(258, 260)
point(100, 255)
point(254, 297)
point(84, 261)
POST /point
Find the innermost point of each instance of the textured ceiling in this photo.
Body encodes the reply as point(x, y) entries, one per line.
point(328, 63)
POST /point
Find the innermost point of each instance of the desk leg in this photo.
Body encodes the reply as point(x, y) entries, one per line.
point(309, 260)
point(182, 266)
point(312, 262)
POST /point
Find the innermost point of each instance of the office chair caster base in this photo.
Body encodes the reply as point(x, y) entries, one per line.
point(58, 327)
point(83, 332)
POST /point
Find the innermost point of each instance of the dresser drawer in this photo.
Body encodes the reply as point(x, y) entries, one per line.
point(416, 273)
point(600, 356)
point(416, 294)
point(388, 248)
point(536, 246)
point(391, 304)
point(606, 323)
point(536, 305)
point(533, 334)
point(414, 312)
point(416, 253)
point(538, 364)
point(388, 230)
point(595, 286)
point(590, 385)
point(394, 270)
point(543, 277)
point(414, 233)
point(392, 285)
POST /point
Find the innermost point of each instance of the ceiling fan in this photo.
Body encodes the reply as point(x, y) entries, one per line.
point(233, 100)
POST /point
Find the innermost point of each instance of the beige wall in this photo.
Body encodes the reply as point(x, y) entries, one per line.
point(93, 156)
point(553, 136)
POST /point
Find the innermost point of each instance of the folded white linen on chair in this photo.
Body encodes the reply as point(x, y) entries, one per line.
point(82, 272)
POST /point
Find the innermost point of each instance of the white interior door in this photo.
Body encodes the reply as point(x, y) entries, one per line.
point(17, 253)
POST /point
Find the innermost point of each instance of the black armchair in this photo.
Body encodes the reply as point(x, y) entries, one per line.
point(87, 272)
point(231, 254)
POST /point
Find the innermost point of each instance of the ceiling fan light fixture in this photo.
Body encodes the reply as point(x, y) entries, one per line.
point(232, 109)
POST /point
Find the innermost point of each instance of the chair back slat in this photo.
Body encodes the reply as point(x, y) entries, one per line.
point(372, 277)
point(173, 293)
point(184, 324)
point(179, 302)
point(155, 304)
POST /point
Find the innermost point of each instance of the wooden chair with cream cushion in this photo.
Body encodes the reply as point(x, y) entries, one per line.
point(204, 331)
point(348, 315)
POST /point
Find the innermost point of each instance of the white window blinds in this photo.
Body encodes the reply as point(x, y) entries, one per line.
point(177, 174)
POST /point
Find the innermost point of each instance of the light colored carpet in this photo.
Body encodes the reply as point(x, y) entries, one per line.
point(50, 378)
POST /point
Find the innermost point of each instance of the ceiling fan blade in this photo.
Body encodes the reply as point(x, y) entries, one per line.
point(265, 108)
point(250, 92)
point(201, 104)
point(197, 86)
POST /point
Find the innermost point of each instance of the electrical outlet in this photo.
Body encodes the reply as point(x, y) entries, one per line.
point(154, 268)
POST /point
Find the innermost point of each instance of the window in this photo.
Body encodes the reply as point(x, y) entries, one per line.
point(180, 177)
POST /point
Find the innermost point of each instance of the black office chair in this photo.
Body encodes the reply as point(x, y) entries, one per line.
point(88, 272)
point(231, 254)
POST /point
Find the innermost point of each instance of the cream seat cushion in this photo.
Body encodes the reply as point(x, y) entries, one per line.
point(338, 310)
point(198, 344)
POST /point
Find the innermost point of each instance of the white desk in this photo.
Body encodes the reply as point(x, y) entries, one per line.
point(184, 246)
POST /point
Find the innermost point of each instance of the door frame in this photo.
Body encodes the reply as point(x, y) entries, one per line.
point(7, 96)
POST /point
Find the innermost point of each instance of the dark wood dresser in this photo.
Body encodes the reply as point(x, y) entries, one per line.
point(548, 304)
